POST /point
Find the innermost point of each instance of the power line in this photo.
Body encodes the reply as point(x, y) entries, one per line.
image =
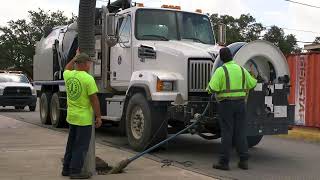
point(291, 29)
point(305, 42)
point(304, 4)
point(302, 30)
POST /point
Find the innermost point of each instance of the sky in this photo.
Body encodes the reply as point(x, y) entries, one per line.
point(268, 12)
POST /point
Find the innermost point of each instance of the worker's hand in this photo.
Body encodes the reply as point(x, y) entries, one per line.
point(78, 51)
point(253, 75)
point(98, 122)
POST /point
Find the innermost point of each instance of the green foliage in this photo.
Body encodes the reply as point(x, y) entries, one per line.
point(287, 43)
point(245, 29)
point(18, 38)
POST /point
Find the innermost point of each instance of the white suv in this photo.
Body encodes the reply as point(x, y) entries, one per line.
point(16, 90)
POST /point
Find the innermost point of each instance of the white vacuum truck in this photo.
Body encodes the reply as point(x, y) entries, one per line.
point(153, 66)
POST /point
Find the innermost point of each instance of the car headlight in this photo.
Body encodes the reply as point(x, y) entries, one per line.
point(164, 85)
point(34, 91)
point(1, 91)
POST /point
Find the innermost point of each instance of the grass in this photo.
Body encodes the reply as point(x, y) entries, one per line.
point(304, 133)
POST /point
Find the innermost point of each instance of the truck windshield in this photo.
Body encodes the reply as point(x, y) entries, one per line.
point(13, 78)
point(164, 25)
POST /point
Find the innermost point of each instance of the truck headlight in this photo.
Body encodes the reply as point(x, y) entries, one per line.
point(1, 91)
point(34, 91)
point(164, 85)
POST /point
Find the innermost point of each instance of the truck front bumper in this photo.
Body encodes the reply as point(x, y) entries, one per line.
point(268, 112)
point(18, 100)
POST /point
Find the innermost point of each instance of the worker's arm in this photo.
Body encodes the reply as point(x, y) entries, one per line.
point(69, 66)
point(92, 91)
point(96, 107)
point(215, 84)
point(251, 81)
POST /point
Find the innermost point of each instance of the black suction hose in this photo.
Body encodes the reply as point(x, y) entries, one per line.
point(86, 26)
point(124, 163)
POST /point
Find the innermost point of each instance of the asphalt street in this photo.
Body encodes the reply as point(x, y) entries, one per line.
point(273, 158)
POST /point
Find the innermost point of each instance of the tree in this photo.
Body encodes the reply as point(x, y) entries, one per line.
point(287, 43)
point(18, 38)
point(245, 28)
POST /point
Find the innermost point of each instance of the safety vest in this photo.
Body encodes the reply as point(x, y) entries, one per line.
point(231, 81)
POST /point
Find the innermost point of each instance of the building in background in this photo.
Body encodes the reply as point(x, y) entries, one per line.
point(312, 47)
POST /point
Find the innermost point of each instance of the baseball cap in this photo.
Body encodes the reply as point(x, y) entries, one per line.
point(82, 57)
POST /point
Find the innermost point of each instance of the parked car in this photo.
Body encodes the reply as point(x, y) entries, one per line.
point(16, 90)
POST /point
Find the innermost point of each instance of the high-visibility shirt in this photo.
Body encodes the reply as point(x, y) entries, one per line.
point(79, 86)
point(231, 81)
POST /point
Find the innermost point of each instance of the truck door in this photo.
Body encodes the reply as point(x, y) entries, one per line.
point(121, 54)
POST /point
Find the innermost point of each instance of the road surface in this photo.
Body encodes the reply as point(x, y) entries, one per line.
point(273, 158)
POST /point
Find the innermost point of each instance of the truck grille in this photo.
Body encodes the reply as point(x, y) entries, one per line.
point(199, 74)
point(17, 91)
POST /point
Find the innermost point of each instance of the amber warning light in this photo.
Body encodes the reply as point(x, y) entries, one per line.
point(139, 4)
point(171, 7)
point(199, 11)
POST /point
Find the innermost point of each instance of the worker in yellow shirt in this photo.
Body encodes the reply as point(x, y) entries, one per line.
point(82, 99)
point(231, 84)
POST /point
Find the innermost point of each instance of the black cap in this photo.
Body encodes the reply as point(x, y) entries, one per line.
point(225, 54)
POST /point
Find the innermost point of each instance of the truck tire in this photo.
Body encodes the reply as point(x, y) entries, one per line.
point(254, 140)
point(57, 116)
point(45, 108)
point(145, 126)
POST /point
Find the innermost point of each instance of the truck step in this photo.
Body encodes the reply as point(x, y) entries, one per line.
point(114, 108)
point(116, 99)
point(110, 118)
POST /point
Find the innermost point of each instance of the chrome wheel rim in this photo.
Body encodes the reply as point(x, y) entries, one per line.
point(54, 111)
point(137, 122)
point(43, 109)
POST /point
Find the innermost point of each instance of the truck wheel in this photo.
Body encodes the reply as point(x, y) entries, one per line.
point(32, 108)
point(143, 122)
point(45, 108)
point(253, 140)
point(58, 117)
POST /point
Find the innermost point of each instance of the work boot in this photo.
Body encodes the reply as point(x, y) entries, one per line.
point(80, 176)
point(221, 166)
point(243, 165)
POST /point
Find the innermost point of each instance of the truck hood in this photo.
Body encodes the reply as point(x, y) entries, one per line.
point(186, 48)
point(13, 84)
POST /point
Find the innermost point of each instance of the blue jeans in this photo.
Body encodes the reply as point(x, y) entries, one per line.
point(77, 148)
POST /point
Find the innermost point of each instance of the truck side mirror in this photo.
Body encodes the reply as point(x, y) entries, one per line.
point(111, 30)
point(222, 38)
point(111, 27)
